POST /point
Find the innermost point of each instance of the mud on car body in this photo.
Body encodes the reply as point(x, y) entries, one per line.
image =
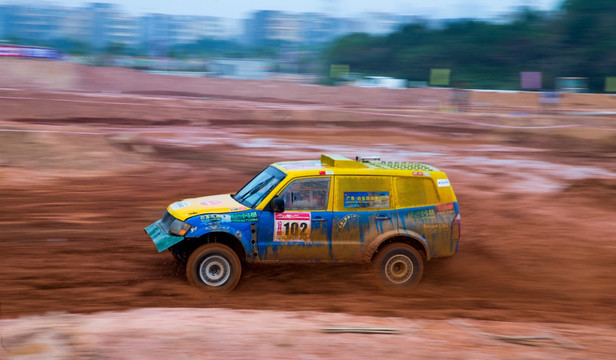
point(395, 215)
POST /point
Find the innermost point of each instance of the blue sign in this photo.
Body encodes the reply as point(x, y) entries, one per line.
point(366, 199)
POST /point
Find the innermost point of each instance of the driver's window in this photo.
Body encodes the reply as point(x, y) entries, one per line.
point(306, 194)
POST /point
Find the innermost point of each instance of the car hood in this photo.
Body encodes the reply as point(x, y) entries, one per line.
point(184, 209)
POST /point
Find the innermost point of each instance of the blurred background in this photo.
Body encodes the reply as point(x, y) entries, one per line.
point(559, 44)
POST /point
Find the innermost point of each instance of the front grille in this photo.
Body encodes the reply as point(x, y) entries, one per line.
point(166, 221)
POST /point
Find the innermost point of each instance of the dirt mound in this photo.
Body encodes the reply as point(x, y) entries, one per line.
point(38, 74)
point(246, 334)
point(61, 153)
point(105, 121)
point(137, 82)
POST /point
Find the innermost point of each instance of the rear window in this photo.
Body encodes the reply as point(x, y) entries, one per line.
point(414, 192)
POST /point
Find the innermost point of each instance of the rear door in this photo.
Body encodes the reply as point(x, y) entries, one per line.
point(363, 211)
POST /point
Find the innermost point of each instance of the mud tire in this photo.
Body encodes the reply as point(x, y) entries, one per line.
point(214, 268)
point(398, 268)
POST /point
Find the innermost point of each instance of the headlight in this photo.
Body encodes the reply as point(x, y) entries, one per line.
point(179, 227)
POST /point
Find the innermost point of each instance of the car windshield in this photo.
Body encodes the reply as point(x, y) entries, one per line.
point(258, 188)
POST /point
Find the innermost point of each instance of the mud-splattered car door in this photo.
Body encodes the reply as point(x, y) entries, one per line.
point(363, 212)
point(303, 231)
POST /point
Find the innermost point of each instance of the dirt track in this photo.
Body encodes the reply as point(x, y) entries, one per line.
point(83, 173)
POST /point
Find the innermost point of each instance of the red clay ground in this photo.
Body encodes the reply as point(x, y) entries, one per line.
point(81, 174)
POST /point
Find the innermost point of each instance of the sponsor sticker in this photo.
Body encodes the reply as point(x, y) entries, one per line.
point(210, 203)
point(215, 217)
point(442, 182)
point(179, 205)
point(244, 217)
point(366, 199)
point(292, 226)
point(342, 223)
point(236, 217)
point(422, 214)
point(421, 173)
point(444, 207)
point(435, 227)
point(328, 172)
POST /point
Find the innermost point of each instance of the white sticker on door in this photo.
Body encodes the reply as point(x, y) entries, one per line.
point(292, 226)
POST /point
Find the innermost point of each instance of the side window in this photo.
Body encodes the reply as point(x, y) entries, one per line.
point(307, 194)
point(414, 191)
point(356, 193)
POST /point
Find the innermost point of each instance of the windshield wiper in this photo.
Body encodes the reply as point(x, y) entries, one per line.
point(257, 187)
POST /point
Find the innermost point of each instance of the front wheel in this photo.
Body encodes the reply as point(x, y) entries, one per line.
point(398, 267)
point(214, 267)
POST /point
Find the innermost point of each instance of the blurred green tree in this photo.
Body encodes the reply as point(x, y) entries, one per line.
point(577, 40)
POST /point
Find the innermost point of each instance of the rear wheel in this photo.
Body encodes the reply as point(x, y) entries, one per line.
point(398, 267)
point(214, 267)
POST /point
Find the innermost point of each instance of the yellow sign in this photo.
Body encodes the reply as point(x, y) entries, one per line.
point(339, 71)
point(610, 84)
point(440, 77)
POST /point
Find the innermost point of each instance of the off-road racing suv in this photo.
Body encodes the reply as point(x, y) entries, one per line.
point(395, 215)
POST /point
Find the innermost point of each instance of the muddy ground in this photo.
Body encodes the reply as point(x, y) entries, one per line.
point(82, 172)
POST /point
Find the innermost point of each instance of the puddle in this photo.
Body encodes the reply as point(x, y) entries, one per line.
point(519, 175)
point(528, 176)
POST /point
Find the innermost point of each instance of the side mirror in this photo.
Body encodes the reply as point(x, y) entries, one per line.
point(277, 204)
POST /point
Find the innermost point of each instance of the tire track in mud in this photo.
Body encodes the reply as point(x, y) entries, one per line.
point(104, 261)
point(77, 244)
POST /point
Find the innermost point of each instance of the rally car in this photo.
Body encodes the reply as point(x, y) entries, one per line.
point(395, 215)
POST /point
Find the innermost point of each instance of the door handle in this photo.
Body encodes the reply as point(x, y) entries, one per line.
point(320, 219)
point(382, 217)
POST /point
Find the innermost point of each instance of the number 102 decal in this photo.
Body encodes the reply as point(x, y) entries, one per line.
point(292, 226)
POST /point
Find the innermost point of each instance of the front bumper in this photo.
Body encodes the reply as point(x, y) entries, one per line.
point(161, 238)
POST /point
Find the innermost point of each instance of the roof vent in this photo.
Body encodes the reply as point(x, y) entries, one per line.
point(368, 158)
